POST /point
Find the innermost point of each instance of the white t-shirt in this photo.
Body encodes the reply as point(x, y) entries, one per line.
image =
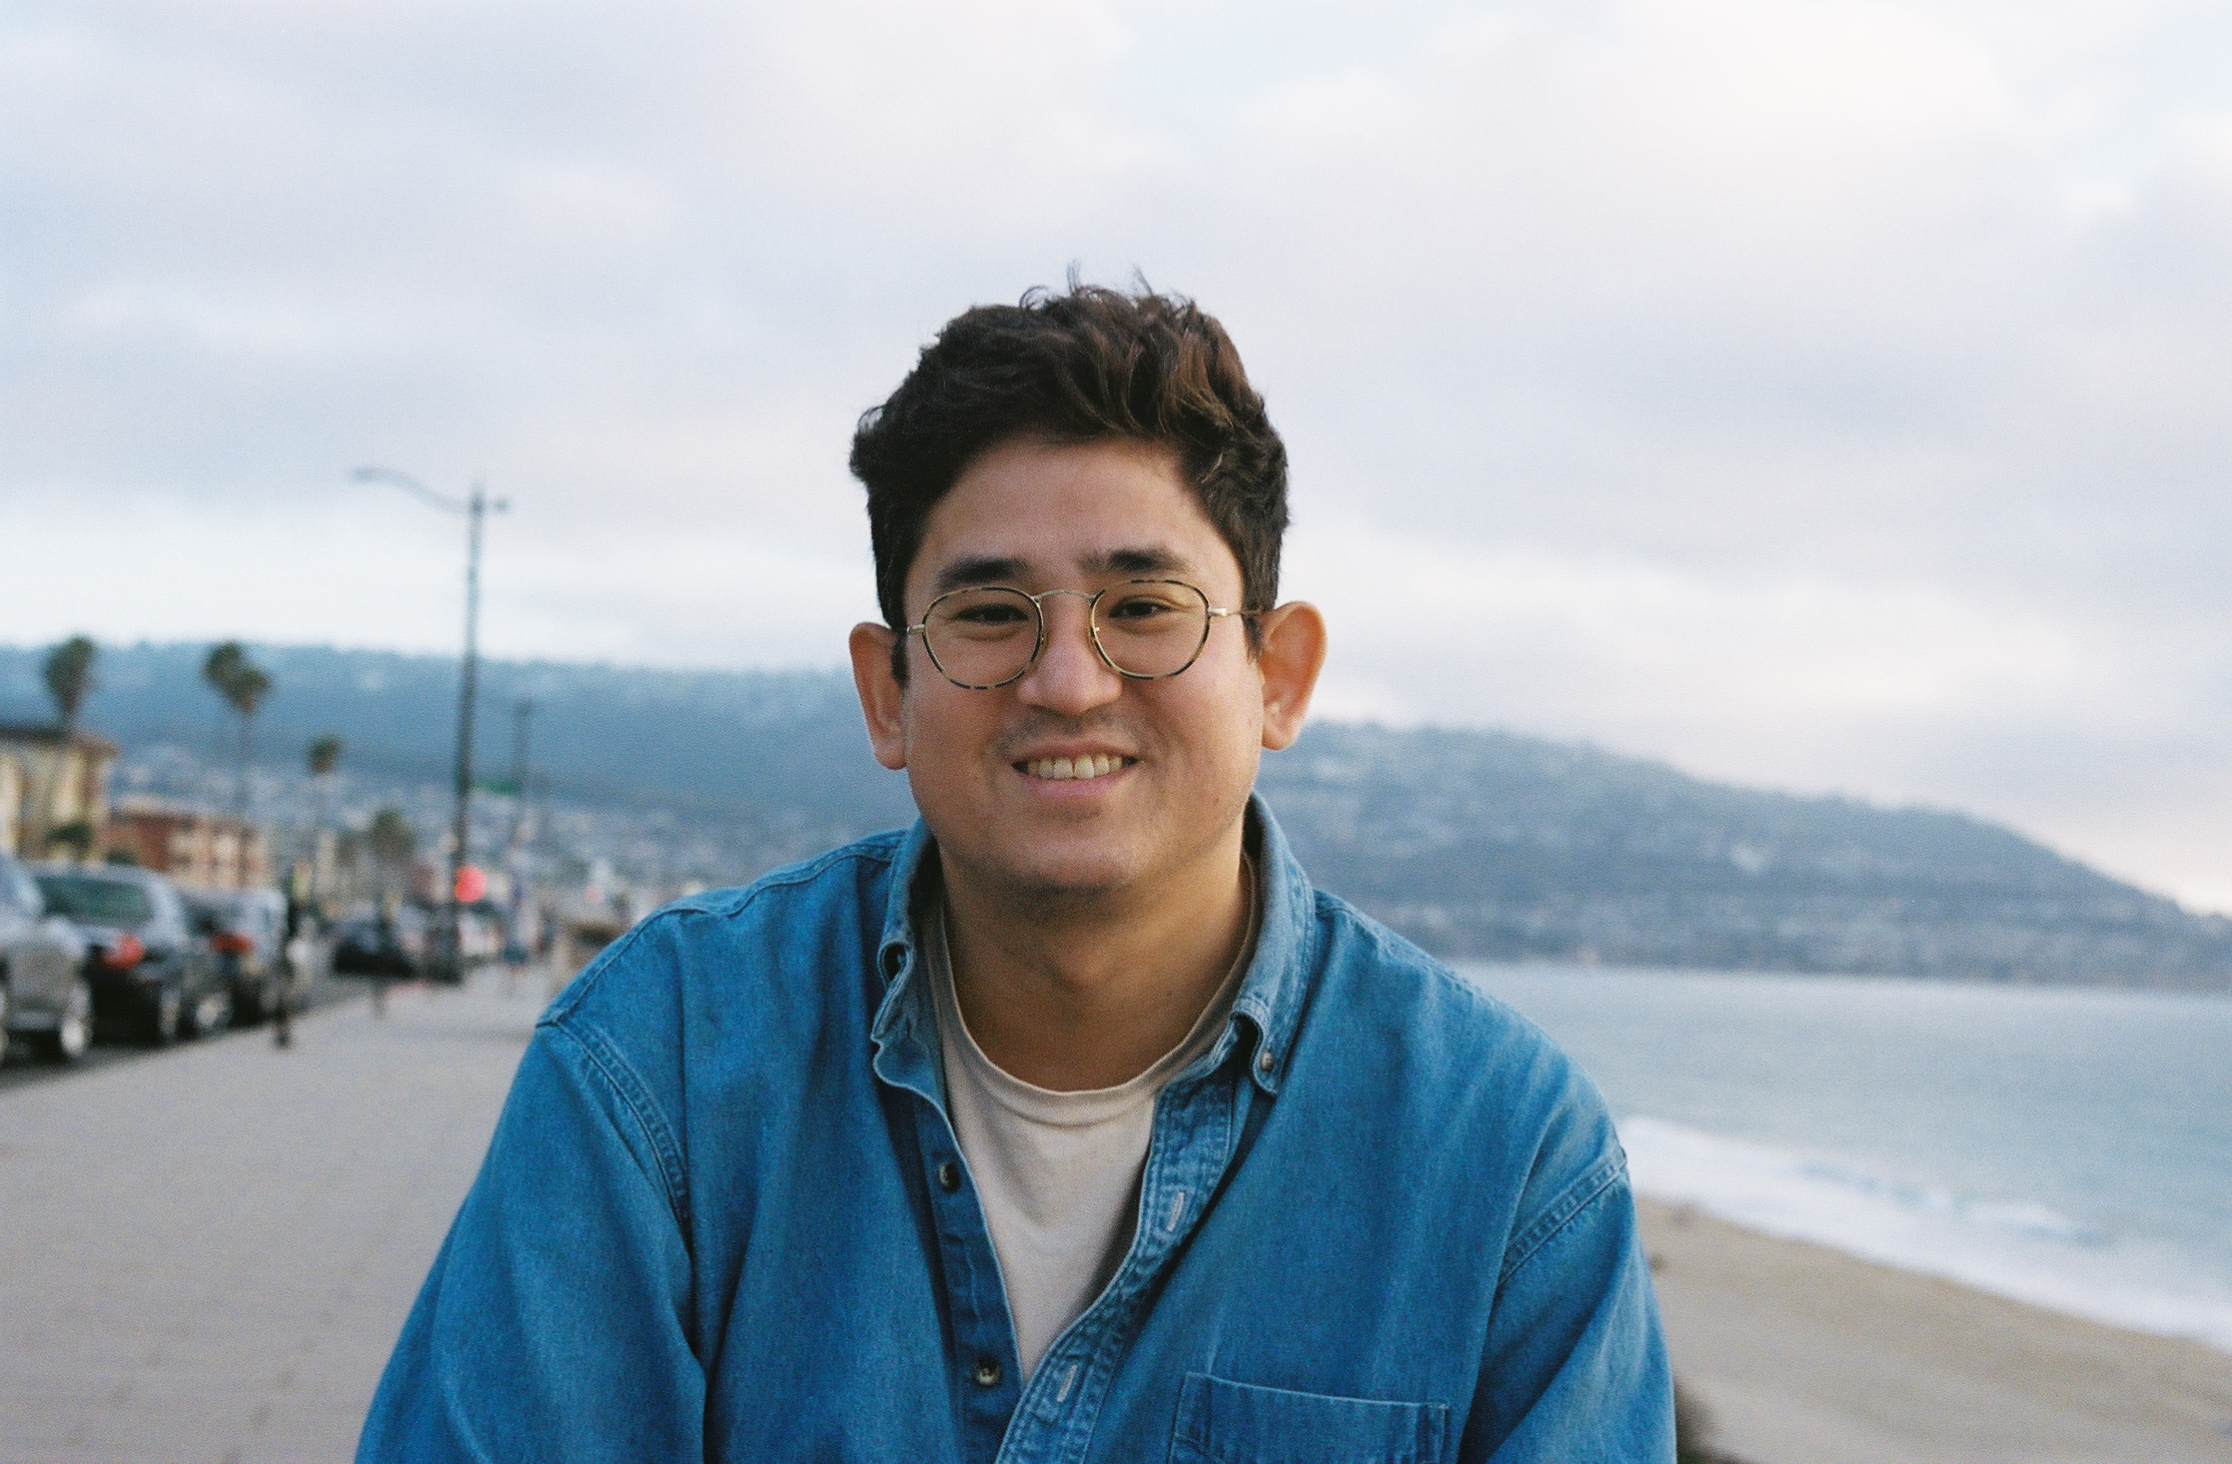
point(1057, 1173)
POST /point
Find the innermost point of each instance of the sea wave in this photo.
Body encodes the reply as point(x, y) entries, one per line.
point(2011, 1247)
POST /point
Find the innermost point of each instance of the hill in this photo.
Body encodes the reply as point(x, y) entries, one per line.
point(1485, 844)
point(1474, 843)
point(711, 742)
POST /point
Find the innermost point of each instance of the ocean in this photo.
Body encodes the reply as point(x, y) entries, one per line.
point(2071, 1148)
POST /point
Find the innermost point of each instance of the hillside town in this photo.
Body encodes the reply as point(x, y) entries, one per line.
point(149, 895)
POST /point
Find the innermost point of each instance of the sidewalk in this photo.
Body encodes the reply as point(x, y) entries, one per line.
point(206, 1254)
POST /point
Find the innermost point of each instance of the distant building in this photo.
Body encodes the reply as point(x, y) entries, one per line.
point(191, 845)
point(11, 804)
point(47, 787)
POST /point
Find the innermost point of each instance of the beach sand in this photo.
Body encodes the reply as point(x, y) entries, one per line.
point(1802, 1355)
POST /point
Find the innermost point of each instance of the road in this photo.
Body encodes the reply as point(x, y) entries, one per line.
point(22, 1064)
point(206, 1253)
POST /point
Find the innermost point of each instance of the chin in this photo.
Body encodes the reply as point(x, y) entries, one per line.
point(1059, 874)
point(1073, 878)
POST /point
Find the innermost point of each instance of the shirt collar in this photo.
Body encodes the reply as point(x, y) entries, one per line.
point(1271, 994)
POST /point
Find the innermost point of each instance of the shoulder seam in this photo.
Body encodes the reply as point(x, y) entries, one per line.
point(872, 849)
point(1391, 943)
point(787, 878)
point(1577, 1198)
point(635, 1098)
point(1395, 946)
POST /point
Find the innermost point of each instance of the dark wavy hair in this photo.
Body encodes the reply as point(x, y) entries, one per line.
point(1090, 365)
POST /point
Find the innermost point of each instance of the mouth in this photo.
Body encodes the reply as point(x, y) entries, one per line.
point(1074, 769)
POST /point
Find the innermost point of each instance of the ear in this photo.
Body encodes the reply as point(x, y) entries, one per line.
point(1292, 655)
point(881, 695)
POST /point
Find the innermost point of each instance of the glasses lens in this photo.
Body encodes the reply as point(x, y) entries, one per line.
point(1151, 627)
point(982, 637)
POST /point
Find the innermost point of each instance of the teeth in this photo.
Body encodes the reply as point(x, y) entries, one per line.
point(1062, 769)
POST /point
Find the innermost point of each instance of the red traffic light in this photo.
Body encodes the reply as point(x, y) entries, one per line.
point(472, 884)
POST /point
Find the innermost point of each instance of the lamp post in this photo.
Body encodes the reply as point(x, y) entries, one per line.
point(451, 956)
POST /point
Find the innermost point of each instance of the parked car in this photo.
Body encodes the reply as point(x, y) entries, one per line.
point(375, 945)
point(45, 1000)
point(154, 978)
point(248, 931)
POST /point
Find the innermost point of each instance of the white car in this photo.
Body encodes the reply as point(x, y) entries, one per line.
point(46, 1002)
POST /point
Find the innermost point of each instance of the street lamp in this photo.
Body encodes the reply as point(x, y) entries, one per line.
point(451, 958)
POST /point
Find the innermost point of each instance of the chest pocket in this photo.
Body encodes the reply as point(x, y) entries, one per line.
point(1233, 1423)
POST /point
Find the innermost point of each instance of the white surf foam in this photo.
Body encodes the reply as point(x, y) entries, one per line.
point(2012, 1248)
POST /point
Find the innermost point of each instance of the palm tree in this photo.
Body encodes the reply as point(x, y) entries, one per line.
point(394, 843)
point(243, 684)
point(69, 678)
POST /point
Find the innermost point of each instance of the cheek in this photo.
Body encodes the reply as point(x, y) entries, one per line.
point(1225, 721)
point(945, 736)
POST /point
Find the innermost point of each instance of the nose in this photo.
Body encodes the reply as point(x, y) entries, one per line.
point(1069, 678)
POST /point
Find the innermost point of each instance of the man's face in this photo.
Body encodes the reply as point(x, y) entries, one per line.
point(1185, 748)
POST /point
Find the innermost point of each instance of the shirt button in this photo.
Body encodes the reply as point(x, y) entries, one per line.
point(949, 1176)
point(1263, 1063)
point(987, 1372)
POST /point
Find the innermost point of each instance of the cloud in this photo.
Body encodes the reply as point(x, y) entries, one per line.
point(1825, 394)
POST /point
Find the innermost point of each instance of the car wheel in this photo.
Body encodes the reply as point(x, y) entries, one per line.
point(210, 1013)
point(162, 1020)
point(74, 1034)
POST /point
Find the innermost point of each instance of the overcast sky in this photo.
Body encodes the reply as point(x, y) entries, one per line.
point(1829, 396)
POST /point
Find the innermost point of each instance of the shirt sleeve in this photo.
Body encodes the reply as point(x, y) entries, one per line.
point(1576, 1365)
point(556, 1322)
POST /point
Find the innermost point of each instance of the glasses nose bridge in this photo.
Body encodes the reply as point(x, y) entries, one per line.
point(1038, 603)
point(1046, 624)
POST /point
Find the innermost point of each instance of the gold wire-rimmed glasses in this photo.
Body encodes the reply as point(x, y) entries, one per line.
point(985, 636)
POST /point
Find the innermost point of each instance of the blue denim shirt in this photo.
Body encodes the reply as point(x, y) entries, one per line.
point(724, 1217)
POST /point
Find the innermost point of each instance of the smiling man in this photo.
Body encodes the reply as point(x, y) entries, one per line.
point(1071, 1124)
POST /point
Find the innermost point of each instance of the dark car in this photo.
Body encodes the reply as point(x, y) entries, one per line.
point(248, 931)
point(45, 1001)
point(154, 977)
point(375, 945)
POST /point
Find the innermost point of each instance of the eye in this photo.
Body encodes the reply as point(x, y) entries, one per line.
point(994, 614)
point(1138, 608)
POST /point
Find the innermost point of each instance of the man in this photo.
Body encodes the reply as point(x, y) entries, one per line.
point(1071, 1124)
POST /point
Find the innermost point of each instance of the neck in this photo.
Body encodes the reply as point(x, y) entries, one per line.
point(1088, 994)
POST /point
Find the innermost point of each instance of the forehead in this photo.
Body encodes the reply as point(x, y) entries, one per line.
point(1042, 513)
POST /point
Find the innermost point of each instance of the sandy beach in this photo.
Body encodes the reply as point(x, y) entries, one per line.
point(1802, 1355)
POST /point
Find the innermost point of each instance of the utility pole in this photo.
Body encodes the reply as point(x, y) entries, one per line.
point(450, 956)
point(453, 950)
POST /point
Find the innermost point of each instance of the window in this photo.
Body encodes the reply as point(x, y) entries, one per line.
point(103, 901)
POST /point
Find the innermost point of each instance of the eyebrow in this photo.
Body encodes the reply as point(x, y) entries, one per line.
point(1002, 569)
point(1144, 559)
point(982, 569)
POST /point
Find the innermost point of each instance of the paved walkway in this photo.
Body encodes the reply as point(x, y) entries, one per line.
point(206, 1254)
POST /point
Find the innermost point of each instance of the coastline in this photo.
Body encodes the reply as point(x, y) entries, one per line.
point(1803, 1355)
